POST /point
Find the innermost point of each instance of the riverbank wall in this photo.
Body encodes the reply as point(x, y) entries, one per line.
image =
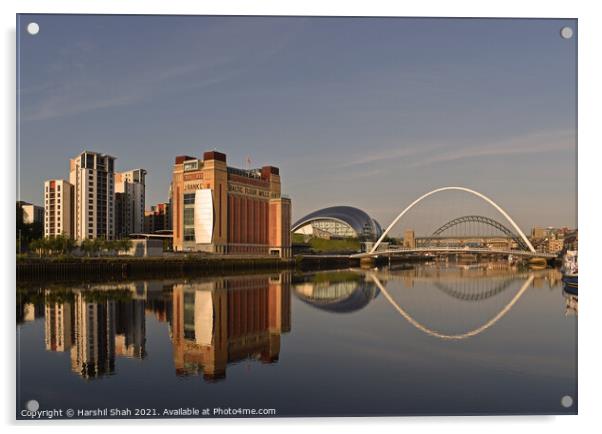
point(127, 268)
point(122, 268)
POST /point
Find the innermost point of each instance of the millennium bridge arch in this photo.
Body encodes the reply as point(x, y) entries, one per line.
point(523, 237)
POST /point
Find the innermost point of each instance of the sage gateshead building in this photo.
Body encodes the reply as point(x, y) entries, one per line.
point(225, 210)
point(339, 222)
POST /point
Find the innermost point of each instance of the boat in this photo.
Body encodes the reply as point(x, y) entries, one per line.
point(570, 271)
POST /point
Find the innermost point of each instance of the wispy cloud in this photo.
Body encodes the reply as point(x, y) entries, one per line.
point(385, 155)
point(87, 94)
point(74, 85)
point(59, 106)
point(532, 143)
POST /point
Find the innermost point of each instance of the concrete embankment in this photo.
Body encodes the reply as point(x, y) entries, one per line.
point(40, 269)
point(122, 268)
point(325, 262)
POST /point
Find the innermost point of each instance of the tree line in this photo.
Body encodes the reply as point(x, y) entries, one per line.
point(63, 245)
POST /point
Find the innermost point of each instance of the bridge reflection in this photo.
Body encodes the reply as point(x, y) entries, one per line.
point(442, 335)
point(214, 322)
point(475, 283)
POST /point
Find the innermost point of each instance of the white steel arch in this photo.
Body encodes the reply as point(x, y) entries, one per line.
point(467, 190)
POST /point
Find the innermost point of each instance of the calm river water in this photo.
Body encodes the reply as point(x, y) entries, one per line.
point(424, 340)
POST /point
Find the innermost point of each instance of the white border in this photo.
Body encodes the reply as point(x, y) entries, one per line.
point(590, 75)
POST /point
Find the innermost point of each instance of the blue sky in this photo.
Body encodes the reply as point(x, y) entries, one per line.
point(356, 111)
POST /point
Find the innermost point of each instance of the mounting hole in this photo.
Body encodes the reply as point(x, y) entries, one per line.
point(566, 32)
point(33, 28)
point(32, 405)
point(566, 401)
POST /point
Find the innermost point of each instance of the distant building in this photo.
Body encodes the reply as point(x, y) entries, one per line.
point(130, 194)
point(158, 218)
point(409, 239)
point(226, 210)
point(32, 214)
point(571, 240)
point(58, 208)
point(500, 243)
point(555, 245)
point(538, 233)
point(92, 176)
point(338, 222)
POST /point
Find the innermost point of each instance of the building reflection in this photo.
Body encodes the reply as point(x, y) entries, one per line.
point(27, 310)
point(130, 329)
point(58, 326)
point(223, 321)
point(212, 323)
point(352, 290)
point(217, 321)
point(95, 325)
point(93, 350)
point(336, 291)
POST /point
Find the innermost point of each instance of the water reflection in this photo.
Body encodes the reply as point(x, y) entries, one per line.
point(337, 291)
point(222, 321)
point(467, 334)
point(213, 322)
point(94, 325)
point(571, 304)
point(476, 283)
point(158, 343)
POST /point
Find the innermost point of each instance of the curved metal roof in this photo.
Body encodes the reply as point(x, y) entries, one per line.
point(357, 219)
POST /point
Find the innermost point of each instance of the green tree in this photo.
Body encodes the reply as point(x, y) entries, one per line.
point(88, 246)
point(52, 245)
point(112, 246)
point(98, 245)
point(37, 246)
point(63, 244)
point(124, 245)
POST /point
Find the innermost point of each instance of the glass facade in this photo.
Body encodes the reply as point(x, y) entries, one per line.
point(339, 221)
point(189, 216)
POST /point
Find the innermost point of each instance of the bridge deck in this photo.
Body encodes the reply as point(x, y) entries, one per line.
point(457, 250)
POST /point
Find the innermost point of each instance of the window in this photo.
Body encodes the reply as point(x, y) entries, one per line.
point(189, 199)
point(188, 234)
point(188, 216)
point(191, 165)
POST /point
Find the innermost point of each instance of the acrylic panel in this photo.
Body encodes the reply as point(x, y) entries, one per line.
point(276, 216)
